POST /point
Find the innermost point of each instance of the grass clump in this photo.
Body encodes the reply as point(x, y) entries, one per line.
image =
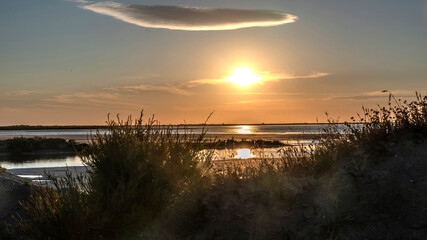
point(387, 123)
point(135, 171)
point(374, 132)
point(59, 211)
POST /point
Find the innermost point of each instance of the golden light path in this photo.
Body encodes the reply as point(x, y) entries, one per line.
point(244, 76)
point(243, 129)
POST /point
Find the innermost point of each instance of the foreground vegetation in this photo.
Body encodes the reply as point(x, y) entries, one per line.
point(149, 183)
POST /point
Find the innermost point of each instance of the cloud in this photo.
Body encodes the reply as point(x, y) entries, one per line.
point(376, 95)
point(78, 1)
point(312, 75)
point(190, 18)
point(83, 98)
point(266, 77)
point(193, 83)
point(254, 101)
point(20, 93)
point(159, 88)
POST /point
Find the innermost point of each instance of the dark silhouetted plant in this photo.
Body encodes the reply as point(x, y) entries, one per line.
point(134, 171)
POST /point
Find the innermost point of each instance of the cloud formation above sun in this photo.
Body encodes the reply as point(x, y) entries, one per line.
point(257, 77)
point(190, 18)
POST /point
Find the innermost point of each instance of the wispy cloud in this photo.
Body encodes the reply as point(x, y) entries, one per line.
point(82, 98)
point(254, 101)
point(193, 83)
point(78, 1)
point(20, 93)
point(266, 77)
point(92, 100)
point(312, 75)
point(156, 88)
point(376, 95)
point(190, 18)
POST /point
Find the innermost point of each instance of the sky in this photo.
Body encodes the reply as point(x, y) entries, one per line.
point(73, 62)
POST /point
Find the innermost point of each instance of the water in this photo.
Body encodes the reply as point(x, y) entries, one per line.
point(246, 153)
point(211, 129)
point(75, 161)
point(43, 162)
point(35, 169)
point(260, 129)
point(42, 133)
point(280, 131)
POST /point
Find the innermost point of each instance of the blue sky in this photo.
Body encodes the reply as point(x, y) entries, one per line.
point(62, 63)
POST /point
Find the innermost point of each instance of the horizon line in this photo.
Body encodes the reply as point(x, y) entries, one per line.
point(89, 126)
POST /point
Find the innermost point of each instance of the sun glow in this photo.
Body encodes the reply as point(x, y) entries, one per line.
point(244, 76)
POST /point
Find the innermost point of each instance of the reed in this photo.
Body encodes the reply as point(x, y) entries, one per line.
point(136, 170)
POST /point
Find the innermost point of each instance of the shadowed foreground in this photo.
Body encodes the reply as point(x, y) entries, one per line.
point(363, 196)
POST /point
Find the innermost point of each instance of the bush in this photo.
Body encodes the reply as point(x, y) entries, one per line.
point(369, 132)
point(135, 171)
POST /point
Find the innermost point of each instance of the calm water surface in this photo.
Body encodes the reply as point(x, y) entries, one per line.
point(217, 129)
point(242, 153)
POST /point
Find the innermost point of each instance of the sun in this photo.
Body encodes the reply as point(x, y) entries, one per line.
point(244, 76)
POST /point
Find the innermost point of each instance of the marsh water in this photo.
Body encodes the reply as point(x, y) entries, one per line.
point(290, 134)
point(259, 129)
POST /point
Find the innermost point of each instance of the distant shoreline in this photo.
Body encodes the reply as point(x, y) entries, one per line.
point(85, 138)
point(97, 127)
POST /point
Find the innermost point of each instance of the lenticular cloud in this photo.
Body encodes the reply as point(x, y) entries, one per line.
point(190, 18)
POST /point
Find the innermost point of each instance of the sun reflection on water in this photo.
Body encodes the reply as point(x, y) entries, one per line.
point(244, 153)
point(244, 129)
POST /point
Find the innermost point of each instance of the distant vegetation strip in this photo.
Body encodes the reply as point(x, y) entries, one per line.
point(40, 127)
point(76, 127)
point(39, 145)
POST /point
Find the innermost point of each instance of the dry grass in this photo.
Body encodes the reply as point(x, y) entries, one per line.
point(137, 169)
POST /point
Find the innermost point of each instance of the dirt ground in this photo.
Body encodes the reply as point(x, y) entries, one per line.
point(12, 190)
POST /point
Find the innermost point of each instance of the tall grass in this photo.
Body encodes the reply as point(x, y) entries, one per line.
point(310, 193)
point(152, 183)
point(57, 212)
point(370, 131)
point(135, 171)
